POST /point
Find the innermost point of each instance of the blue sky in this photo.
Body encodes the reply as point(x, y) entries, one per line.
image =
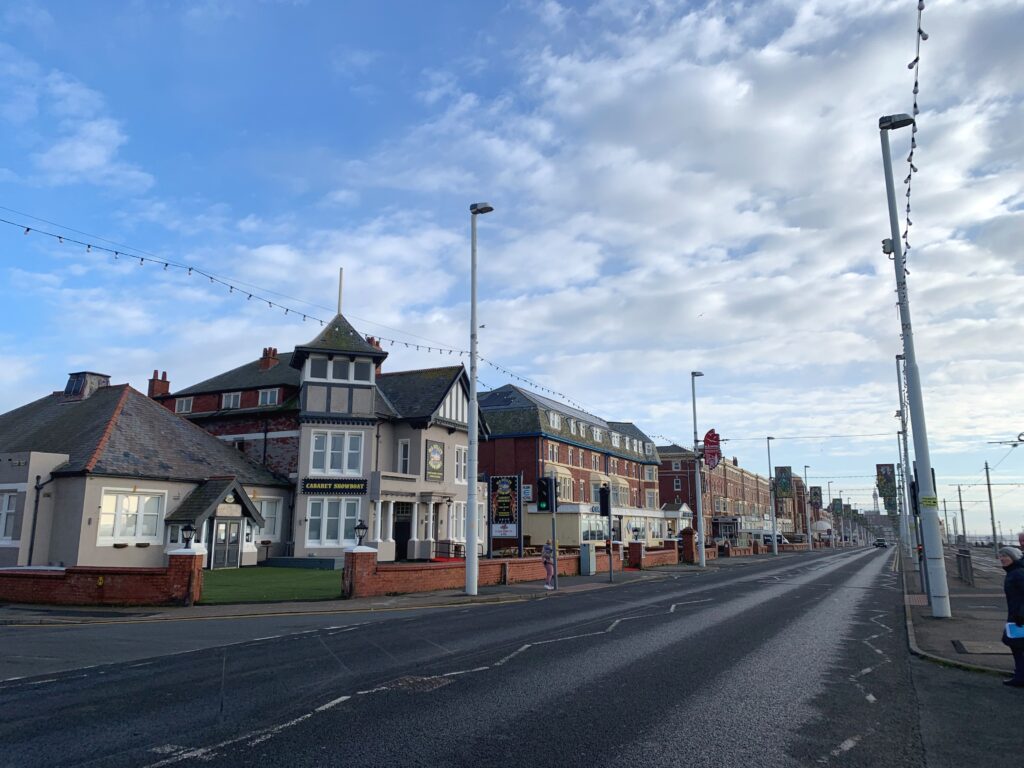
point(677, 186)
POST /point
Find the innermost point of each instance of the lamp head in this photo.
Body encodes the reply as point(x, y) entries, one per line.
point(478, 208)
point(892, 122)
point(696, 373)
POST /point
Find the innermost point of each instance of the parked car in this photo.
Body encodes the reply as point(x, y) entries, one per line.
point(779, 538)
point(881, 542)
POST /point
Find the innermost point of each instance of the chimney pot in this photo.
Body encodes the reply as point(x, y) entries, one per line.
point(158, 386)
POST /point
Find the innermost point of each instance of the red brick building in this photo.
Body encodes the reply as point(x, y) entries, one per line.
point(537, 437)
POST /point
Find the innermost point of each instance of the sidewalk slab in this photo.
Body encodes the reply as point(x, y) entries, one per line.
point(970, 639)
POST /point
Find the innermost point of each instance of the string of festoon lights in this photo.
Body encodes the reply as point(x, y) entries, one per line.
point(261, 295)
point(911, 168)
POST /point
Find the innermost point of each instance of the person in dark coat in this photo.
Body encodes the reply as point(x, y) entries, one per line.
point(1013, 563)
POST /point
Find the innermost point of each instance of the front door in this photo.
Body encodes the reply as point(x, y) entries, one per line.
point(226, 543)
point(402, 530)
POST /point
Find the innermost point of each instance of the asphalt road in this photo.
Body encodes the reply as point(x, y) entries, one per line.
point(796, 662)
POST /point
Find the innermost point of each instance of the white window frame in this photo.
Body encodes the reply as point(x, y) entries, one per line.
point(553, 452)
point(8, 512)
point(264, 505)
point(183, 405)
point(677, 484)
point(596, 433)
point(118, 536)
point(308, 370)
point(554, 420)
point(330, 449)
point(268, 392)
point(652, 499)
point(595, 462)
point(404, 462)
point(461, 464)
point(572, 458)
point(649, 475)
point(318, 508)
point(676, 465)
point(615, 439)
point(229, 397)
point(572, 426)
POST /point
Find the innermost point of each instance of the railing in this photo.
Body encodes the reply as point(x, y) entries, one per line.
point(965, 566)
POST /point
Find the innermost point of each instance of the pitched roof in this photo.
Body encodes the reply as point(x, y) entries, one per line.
point(418, 394)
point(510, 410)
point(248, 376)
point(205, 498)
point(338, 336)
point(119, 431)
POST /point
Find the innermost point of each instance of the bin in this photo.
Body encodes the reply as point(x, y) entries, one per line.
point(588, 558)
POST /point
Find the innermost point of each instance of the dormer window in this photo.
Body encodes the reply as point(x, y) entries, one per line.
point(269, 396)
point(183, 405)
point(615, 440)
point(596, 433)
point(554, 420)
point(340, 369)
point(231, 400)
point(572, 426)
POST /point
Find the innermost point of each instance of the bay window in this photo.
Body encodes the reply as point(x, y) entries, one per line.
point(332, 522)
point(130, 517)
point(337, 453)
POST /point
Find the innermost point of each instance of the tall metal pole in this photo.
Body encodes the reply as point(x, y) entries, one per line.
point(963, 522)
point(934, 558)
point(696, 471)
point(807, 511)
point(945, 517)
point(771, 489)
point(831, 517)
point(472, 561)
point(909, 529)
point(842, 521)
point(991, 510)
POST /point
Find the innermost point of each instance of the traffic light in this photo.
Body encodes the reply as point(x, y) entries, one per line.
point(604, 500)
point(545, 494)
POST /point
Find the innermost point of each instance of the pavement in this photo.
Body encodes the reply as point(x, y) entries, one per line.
point(970, 639)
point(13, 614)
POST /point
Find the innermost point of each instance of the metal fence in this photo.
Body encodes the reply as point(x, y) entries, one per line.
point(965, 566)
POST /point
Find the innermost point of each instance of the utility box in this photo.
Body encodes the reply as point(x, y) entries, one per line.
point(588, 558)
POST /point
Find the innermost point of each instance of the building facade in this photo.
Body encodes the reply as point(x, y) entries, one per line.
point(389, 450)
point(531, 436)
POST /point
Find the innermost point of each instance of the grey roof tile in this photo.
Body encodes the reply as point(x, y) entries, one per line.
point(417, 394)
point(119, 431)
point(338, 336)
point(248, 376)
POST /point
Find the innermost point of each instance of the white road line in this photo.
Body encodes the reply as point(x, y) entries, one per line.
point(512, 655)
point(846, 746)
point(329, 704)
point(871, 698)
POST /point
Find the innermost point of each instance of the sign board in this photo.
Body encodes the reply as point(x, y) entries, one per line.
point(837, 506)
point(315, 486)
point(712, 449)
point(505, 506)
point(929, 501)
point(433, 469)
point(816, 496)
point(783, 482)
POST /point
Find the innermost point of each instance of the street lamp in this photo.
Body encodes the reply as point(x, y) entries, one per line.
point(188, 532)
point(361, 529)
point(771, 493)
point(472, 562)
point(807, 510)
point(929, 504)
point(696, 471)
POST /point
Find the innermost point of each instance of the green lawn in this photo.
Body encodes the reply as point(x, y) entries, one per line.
point(263, 585)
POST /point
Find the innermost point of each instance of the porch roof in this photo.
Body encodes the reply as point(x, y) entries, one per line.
point(206, 497)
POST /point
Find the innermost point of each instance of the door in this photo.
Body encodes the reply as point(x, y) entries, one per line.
point(226, 543)
point(402, 530)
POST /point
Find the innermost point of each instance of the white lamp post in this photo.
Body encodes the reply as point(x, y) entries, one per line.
point(696, 471)
point(472, 561)
point(929, 504)
point(771, 487)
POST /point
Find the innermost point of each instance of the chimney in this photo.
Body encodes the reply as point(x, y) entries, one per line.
point(159, 386)
point(269, 359)
point(735, 461)
point(373, 342)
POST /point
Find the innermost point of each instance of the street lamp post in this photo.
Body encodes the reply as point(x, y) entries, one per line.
point(807, 511)
point(472, 561)
point(696, 471)
point(934, 558)
point(908, 523)
point(771, 494)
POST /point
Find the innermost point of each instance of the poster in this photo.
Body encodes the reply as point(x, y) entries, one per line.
point(434, 465)
point(784, 482)
point(505, 506)
point(816, 496)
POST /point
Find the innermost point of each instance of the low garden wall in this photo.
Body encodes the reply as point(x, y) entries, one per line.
point(97, 585)
point(363, 576)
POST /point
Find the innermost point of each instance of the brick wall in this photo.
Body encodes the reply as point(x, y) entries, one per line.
point(94, 585)
point(363, 576)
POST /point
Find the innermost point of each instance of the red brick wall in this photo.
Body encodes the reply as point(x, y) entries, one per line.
point(95, 585)
point(363, 576)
